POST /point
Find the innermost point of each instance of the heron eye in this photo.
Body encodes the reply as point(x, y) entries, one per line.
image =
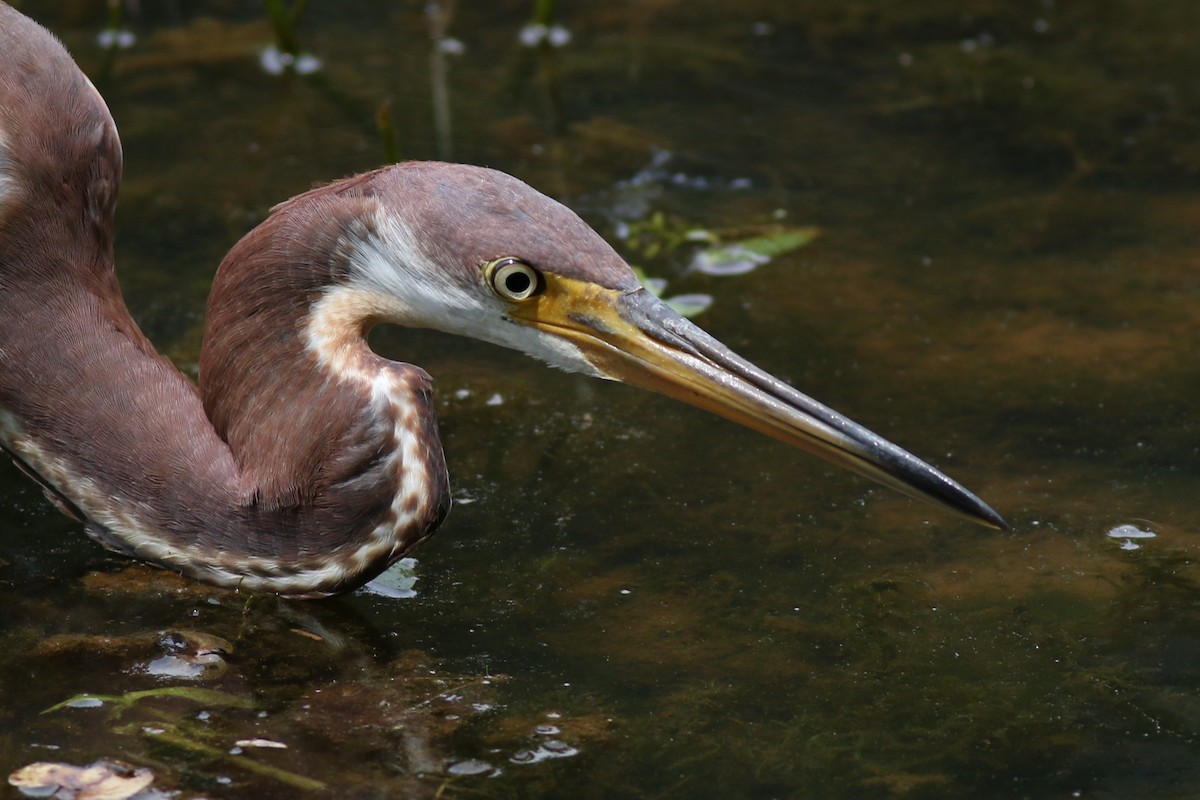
point(513, 279)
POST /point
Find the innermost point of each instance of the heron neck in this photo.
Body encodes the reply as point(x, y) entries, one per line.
point(299, 483)
point(322, 429)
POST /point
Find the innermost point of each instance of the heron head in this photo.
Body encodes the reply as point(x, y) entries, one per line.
point(477, 252)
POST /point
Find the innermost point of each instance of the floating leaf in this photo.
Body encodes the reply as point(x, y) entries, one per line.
point(690, 305)
point(397, 581)
point(781, 242)
point(735, 258)
point(738, 258)
point(728, 260)
point(103, 780)
point(656, 286)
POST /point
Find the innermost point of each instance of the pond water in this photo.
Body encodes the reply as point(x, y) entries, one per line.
point(630, 598)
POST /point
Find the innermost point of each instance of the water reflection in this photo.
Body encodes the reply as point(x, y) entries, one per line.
point(1007, 258)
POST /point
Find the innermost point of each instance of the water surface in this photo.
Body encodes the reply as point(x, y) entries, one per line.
point(631, 598)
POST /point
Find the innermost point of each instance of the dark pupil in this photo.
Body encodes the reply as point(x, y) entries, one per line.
point(517, 282)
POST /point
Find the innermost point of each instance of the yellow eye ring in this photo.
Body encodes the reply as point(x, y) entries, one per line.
point(514, 280)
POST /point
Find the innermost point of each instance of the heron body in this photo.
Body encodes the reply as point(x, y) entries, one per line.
point(304, 464)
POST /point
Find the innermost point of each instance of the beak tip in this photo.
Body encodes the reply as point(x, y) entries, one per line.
point(642, 341)
point(980, 512)
point(994, 520)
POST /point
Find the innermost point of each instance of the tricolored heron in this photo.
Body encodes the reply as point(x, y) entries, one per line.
point(304, 464)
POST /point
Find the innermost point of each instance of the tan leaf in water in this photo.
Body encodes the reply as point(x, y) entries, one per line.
point(103, 780)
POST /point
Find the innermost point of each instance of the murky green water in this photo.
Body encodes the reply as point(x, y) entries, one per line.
point(630, 598)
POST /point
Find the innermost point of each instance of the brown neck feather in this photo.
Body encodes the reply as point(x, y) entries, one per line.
point(301, 483)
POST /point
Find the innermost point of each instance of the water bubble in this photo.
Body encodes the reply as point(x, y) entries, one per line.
point(546, 730)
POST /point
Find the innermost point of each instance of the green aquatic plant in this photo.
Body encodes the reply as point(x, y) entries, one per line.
point(182, 738)
point(661, 233)
point(686, 305)
point(744, 255)
point(186, 736)
point(716, 253)
point(122, 702)
point(285, 54)
point(387, 132)
point(283, 23)
point(114, 35)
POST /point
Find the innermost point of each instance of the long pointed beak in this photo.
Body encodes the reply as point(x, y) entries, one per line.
point(636, 338)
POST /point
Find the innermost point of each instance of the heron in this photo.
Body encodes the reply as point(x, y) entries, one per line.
point(301, 463)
